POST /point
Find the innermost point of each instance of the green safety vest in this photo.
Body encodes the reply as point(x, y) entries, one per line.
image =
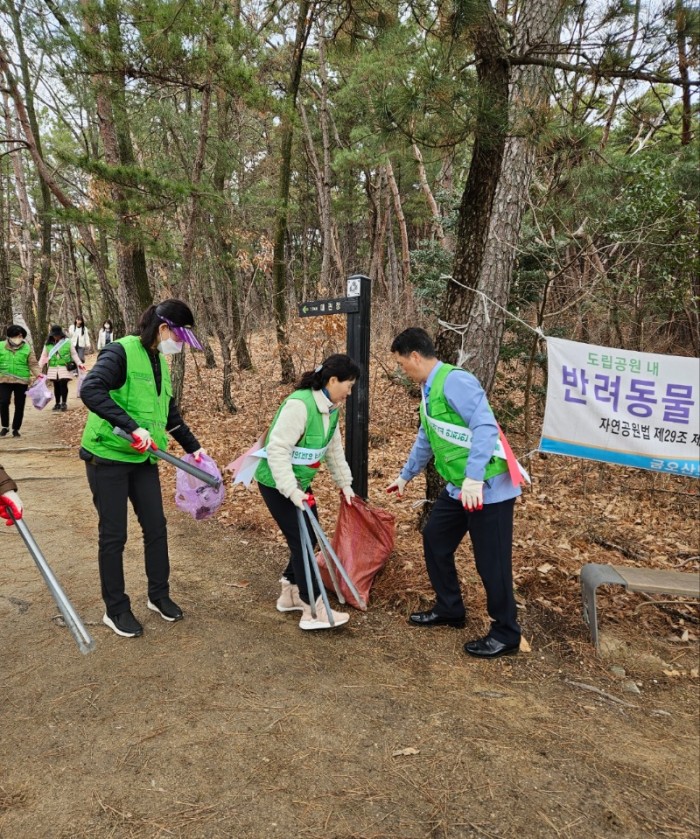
point(450, 459)
point(314, 437)
point(15, 362)
point(139, 398)
point(62, 355)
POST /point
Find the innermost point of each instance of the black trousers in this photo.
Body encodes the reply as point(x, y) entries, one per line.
point(285, 514)
point(113, 485)
point(60, 390)
point(491, 533)
point(20, 392)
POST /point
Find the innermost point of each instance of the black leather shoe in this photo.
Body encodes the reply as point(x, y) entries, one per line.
point(166, 608)
point(489, 647)
point(432, 618)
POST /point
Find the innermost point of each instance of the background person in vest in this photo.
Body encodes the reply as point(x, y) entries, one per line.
point(18, 366)
point(129, 387)
point(62, 361)
point(105, 335)
point(79, 337)
point(478, 499)
point(9, 497)
point(307, 419)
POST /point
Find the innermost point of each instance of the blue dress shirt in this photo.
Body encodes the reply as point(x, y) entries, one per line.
point(465, 395)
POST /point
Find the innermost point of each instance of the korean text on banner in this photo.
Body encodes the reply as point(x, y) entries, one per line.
point(630, 408)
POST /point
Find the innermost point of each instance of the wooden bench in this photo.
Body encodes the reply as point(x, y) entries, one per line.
point(649, 580)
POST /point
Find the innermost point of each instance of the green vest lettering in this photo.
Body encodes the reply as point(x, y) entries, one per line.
point(450, 458)
point(314, 437)
point(139, 398)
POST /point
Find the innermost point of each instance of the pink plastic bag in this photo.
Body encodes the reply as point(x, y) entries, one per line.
point(39, 393)
point(194, 496)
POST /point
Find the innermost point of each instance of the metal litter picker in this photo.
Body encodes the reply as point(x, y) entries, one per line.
point(174, 461)
point(331, 559)
point(82, 637)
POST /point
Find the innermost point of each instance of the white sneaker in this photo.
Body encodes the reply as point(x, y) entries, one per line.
point(289, 600)
point(321, 620)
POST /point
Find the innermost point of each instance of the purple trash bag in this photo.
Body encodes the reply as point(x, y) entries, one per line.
point(194, 496)
point(39, 393)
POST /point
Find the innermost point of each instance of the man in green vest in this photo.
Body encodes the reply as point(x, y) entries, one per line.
point(459, 430)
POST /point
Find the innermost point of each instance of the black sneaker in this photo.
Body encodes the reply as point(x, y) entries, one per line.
point(124, 624)
point(165, 607)
point(64, 407)
point(56, 407)
point(4, 432)
point(15, 433)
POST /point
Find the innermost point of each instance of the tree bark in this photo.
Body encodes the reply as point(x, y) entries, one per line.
point(681, 15)
point(436, 221)
point(44, 208)
point(477, 199)
point(5, 278)
point(400, 220)
point(25, 245)
point(279, 267)
point(486, 264)
point(49, 178)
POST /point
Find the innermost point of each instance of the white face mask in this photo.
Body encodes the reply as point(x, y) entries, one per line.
point(170, 347)
point(15, 342)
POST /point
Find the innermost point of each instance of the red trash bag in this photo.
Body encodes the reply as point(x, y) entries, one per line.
point(363, 542)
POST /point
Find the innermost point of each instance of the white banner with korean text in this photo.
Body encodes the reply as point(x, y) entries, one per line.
point(618, 406)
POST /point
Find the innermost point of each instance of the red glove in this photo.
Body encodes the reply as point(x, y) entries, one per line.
point(142, 440)
point(12, 500)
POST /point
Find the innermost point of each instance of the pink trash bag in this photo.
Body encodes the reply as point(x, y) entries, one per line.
point(194, 496)
point(39, 393)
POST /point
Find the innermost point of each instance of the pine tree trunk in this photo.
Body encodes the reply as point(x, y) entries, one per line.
point(484, 172)
point(279, 266)
point(487, 264)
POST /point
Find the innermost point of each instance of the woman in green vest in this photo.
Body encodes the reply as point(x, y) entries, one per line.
point(304, 433)
point(62, 363)
point(129, 387)
point(18, 366)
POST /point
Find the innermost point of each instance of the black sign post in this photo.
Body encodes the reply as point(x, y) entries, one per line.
point(357, 413)
point(357, 307)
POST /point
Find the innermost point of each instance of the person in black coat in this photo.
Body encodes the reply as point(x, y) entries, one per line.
point(116, 474)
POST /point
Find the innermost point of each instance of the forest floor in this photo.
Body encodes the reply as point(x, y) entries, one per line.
point(234, 723)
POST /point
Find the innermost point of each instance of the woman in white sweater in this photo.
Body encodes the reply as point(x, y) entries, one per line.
point(304, 433)
point(79, 337)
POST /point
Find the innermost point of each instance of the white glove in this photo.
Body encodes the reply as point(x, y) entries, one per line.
point(298, 497)
point(198, 454)
point(472, 494)
point(142, 440)
point(12, 500)
point(398, 486)
point(349, 494)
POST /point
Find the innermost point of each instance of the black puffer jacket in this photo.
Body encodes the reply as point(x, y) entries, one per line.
point(109, 373)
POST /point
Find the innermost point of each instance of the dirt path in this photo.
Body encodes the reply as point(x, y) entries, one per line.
point(232, 723)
